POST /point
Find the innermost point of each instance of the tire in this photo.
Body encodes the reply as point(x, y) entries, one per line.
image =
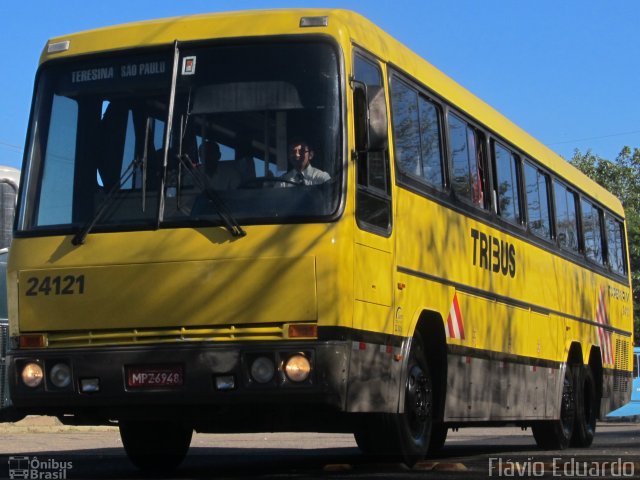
point(586, 407)
point(405, 436)
point(370, 435)
point(155, 446)
point(438, 437)
point(557, 434)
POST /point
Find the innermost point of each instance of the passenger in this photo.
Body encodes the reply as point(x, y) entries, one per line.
point(244, 161)
point(219, 176)
point(302, 173)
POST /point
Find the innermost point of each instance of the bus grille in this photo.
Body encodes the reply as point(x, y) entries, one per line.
point(4, 346)
point(620, 375)
point(227, 333)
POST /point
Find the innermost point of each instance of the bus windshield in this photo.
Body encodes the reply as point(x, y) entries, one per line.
point(103, 150)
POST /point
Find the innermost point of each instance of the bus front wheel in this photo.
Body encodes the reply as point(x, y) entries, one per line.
point(404, 436)
point(438, 437)
point(155, 446)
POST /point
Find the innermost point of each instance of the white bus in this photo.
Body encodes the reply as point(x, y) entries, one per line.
point(9, 181)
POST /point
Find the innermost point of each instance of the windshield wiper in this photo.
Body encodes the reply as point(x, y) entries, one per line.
point(80, 237)
point(200, 181)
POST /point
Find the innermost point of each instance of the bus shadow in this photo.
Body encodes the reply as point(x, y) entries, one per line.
point(238, 462)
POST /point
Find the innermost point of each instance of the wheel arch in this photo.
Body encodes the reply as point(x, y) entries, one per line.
point(595, 363)
point(430, 325)
point(575, 355)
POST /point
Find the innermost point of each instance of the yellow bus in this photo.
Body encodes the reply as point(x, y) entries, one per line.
point(287, 221)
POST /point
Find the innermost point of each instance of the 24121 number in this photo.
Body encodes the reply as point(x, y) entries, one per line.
point(60, 285)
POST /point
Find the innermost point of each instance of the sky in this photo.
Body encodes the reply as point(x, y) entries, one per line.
point(565, 71)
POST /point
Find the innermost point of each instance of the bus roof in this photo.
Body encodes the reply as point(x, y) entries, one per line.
point(346, 27)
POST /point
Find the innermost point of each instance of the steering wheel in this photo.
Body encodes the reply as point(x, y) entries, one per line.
point(258, 182)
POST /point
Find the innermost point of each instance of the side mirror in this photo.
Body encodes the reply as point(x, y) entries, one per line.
point(370, 117)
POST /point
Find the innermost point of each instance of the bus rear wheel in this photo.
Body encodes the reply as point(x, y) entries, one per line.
point(556, 434)
point(586, 407)
point(404, 436)
point(155, 446)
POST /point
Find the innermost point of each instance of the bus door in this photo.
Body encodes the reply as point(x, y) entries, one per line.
point(373, 249)
point(373, 239)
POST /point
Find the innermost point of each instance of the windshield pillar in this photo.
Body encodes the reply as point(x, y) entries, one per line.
point(172, 96)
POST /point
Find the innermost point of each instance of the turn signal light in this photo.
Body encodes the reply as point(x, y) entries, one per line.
point(303, 331)
point(33, 341)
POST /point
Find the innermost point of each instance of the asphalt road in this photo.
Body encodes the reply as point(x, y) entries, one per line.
point(85, 452)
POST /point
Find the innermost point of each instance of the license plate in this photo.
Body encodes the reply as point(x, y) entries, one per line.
point(146, 376)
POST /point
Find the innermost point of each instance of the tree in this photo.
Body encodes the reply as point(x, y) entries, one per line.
point(622, 178)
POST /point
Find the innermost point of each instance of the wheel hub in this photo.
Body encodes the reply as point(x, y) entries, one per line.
point(419, 399)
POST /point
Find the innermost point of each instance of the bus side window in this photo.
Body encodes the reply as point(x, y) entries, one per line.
point(417, 139)
point(615, 245)
point(537, 187)
point(467, 169)
point(507, 186)
point(373, 194)
point(566, 217)
point(592, 231)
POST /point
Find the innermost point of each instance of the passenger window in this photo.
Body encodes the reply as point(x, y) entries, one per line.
point(416, 127)
point(467, 179)
point(406, 128)
point(430, 143)
point(615, 245)
point(507, 187)
point(537, 187)
point(592, 231)
point(566, 218)
point(367, 72)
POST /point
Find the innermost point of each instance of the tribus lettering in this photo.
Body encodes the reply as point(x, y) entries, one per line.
point(493, 254)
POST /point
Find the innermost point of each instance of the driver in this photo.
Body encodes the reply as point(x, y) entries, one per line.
point(302, 173)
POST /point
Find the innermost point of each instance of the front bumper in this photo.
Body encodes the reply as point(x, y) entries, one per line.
point(201, 363)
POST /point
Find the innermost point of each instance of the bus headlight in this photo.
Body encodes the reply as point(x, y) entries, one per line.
point(60, 375)
point(32, 375)
point(297, 368)
point(263, 370)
